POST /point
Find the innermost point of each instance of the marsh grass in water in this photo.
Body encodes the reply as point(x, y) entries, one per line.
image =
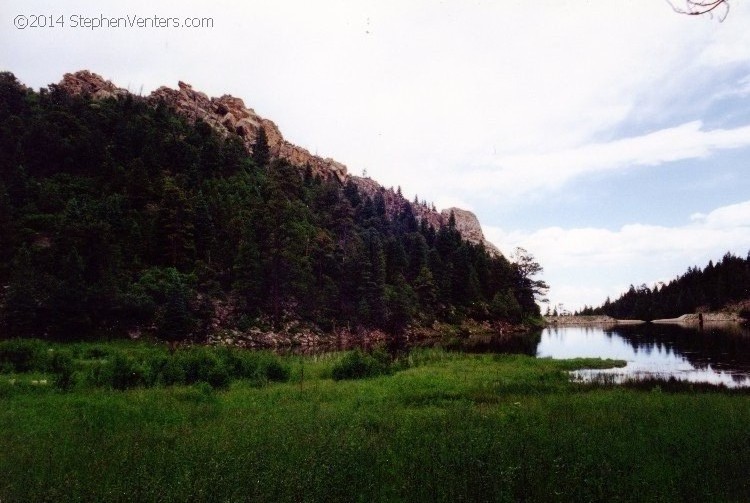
point(121, 366)
point(445, 427)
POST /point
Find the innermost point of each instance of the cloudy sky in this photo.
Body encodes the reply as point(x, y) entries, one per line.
point(610, 139)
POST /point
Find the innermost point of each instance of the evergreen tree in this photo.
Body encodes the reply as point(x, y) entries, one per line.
point(116, 214)
point(426, 291)
point(401, 305)
point(176, 219)
point(176, 322)
point(717, 285)
point(261, 150)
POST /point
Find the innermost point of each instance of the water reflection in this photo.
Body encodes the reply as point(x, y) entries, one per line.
point(519, 343)
point(718, 354)
point(525, 342)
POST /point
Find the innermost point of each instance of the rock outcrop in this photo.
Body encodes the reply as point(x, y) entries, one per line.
point(85, 82)
point(467, 224)
point(229, 116)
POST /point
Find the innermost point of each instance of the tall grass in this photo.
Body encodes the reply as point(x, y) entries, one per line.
point(120, 366)
point(451, 427)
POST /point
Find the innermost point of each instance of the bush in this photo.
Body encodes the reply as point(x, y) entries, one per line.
point(22, 355)
point(173, 372)
point(202, 365)
point(126, 373)
point(95, 353)
point(254, 365)
point(61, 365)
point(99, 374)
point(275, 371)
point(359, 365)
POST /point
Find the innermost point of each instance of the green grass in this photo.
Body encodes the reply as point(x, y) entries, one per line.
point(450, 427)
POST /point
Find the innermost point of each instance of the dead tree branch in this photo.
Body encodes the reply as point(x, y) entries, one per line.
point(701, 7)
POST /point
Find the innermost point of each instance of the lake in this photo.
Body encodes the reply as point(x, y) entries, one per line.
point(717, 354)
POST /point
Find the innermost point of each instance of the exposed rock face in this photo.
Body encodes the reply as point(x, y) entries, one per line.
point(85, 82)
point(395, 202)
point(230, 117)
point(227, 115)
point(466, 222)
point(468, 225)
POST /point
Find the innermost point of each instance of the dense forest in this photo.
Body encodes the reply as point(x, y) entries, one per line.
point(118, 215)
point(726, 282)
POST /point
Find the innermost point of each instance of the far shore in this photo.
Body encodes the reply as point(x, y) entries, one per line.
point(588, 320)
point(698, 318)
point(685, 319)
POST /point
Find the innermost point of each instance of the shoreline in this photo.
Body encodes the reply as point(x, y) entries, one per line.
point(695, 319)
point(588, 320)
point(685, 319)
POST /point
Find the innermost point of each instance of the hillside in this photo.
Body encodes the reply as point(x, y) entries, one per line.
point(721, 286)
point(185, 217)
point(229, 116)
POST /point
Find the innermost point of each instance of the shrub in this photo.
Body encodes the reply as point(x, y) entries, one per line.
point(254, 365)
point(358, 365)
point(275, 371)
point(201, 365)
point(22, 355)
point(173, 372)
point(95, 353)
point(126, 373)
point(99, 374)
point(61, 365)
point(6, 388)
point(218, 376)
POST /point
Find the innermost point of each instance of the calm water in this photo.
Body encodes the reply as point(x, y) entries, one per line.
point(717, 354)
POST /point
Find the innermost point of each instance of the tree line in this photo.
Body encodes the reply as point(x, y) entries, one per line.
point(710, 288)
point(118, 215)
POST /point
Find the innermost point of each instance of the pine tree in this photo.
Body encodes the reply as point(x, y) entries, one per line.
point(261, 150)
point(401, 305)
point(131, 216)
point(424, 287)
point(176, 219)
point(176, 321)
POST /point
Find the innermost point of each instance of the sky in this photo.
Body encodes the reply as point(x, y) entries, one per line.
point(609, 139)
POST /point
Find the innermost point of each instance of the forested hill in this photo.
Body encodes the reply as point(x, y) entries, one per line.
point(712, 288)
point(119, 214)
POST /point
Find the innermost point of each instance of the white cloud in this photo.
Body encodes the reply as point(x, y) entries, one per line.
point(729, 42)
point(523, 174)
point(727, 217)
point(738, 88)
point(453, 202)
point(584, 265)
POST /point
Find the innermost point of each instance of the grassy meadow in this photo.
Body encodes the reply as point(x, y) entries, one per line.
point(431, 426)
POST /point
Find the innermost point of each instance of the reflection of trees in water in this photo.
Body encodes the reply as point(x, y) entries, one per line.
point(740, 379)
point(724, 347)
point(524, 343)
point(516, 343)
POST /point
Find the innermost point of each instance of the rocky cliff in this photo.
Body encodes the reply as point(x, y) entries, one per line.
point(229, 116)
